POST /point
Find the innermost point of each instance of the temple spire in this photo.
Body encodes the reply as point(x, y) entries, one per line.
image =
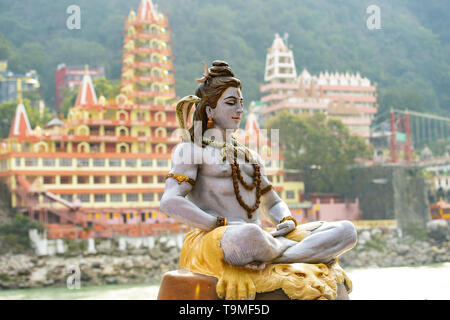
point(147, 10)
point(20, 126)
point(86, 95)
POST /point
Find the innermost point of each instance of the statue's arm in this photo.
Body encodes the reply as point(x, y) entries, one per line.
point(173, 201)
point(272, 206)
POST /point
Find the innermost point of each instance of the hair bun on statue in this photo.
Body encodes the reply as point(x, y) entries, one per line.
point(220, 69)
point(219, 63)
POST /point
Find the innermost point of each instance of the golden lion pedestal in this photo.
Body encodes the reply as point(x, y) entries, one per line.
point(185, 285)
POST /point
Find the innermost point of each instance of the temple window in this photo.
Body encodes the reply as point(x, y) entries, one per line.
point(130, 163)
point(109, 131)
point(146, 162)
point(132, 197)
point(48, 162)
point(161, 179)
point(131, 179)
point(95, 131)
point(160, 116)
point(99, 179)
point(147, 179)
point(122, 115)
point(83, 162)
point(116, 197)
point(82, 179)
point(94, 147)
point(59, 147)
point(100, 197)
point(31, 162)
point(162, 163)
point(65, 180)
point(115, 162)
point(149, 196)
point(123, 149)
point(65, 162)
point(41, 147)
point(159, 132)
point(115, 179)
point(99, 162)
point(84, 197)
point(123, 132)
point(49, 180)
point(83, 147)
point(160, 149)
point(18, 162)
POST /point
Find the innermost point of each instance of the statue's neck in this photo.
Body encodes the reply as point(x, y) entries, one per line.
point(224, 136)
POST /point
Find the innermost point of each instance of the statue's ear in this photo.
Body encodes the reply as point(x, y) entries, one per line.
point(282, 269)
point(208, 111)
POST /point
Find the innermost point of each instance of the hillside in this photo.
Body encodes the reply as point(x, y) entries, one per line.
point(409, 57)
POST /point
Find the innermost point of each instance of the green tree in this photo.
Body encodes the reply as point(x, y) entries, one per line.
point(107, 88)
point(322, 149)
point(68, 101)
point(14, 235)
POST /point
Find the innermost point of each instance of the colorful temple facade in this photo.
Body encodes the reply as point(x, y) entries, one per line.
point(348, 97)
point(102, 170)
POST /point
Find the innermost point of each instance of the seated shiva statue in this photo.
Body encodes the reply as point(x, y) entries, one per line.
point(219, 186)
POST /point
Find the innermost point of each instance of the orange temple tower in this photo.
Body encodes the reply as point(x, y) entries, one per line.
point(102, 170)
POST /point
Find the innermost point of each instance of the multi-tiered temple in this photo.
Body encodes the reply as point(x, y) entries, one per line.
point(102, 170)
point(104, 167)
point(348, 97)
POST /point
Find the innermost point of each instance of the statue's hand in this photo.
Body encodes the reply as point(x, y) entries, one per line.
point(236, 284)
point(283, 228)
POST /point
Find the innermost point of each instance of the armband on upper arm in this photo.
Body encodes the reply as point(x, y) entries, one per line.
point(181, 178)
point(266, 189)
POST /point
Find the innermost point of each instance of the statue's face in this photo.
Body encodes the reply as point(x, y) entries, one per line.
point(228, 112)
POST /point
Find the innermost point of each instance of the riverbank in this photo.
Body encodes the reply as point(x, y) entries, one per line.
point(430, 283)
point(119, 264)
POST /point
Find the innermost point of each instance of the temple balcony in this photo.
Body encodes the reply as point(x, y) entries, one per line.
point(162, 65)
point(139, 22)
point(166, 51)
point(148, 78)
point(149, 36)
point(278, 86)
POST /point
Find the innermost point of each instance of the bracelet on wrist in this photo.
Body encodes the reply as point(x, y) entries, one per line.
point(289, 218)
point(221, 221)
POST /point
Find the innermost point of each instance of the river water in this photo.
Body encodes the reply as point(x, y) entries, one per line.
point(402, 283)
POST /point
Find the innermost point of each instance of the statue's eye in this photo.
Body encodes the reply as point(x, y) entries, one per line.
point(320, 274)
point(300, 274)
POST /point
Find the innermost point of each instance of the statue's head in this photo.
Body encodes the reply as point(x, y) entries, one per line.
point(221, 98)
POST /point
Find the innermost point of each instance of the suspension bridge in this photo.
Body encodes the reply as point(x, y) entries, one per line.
point(410, 130)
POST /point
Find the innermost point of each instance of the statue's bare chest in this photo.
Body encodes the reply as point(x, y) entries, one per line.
point(213, 166)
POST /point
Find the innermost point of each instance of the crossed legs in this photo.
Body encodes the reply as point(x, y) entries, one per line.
point(249, 245)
